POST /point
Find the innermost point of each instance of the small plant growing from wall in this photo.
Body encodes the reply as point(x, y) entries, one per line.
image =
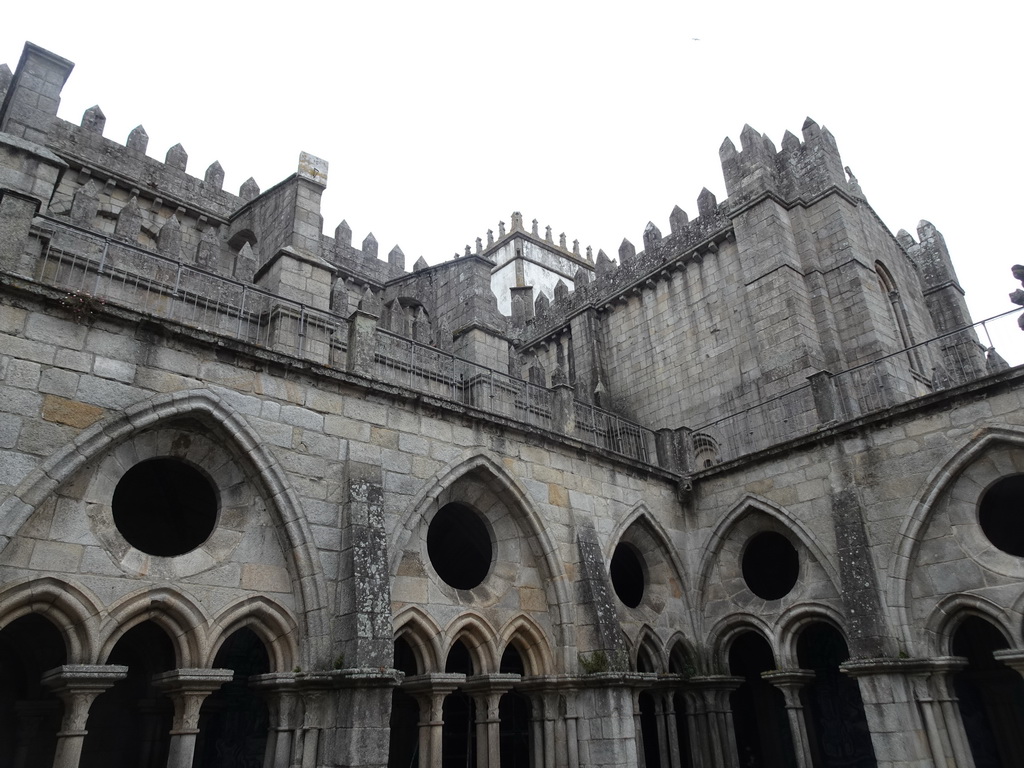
point(82, 305)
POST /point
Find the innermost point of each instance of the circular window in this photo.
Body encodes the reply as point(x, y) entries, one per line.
point(165, 507)
point(1001, 515)
point(770, 565)
point(627, 572)
point(459, 546)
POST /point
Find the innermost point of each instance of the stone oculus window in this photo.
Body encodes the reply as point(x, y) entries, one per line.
point(459, 546)
point(1001, 516)
point(770, 565)
point(627, 572)
point(165, 507)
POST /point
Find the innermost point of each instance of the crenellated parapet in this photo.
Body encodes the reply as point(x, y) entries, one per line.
point(800, 169)
point(689, 242)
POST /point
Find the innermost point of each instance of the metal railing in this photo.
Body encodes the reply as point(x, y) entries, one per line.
point(951, 359)
point(94, 269)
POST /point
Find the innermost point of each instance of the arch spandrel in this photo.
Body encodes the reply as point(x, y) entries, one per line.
point(666, 570)
point(526, 575)
point(728, 592)
point(943, 554)
point(222, 425)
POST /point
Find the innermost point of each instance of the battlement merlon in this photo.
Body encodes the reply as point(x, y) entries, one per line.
point(33, 96)
point(800, 169)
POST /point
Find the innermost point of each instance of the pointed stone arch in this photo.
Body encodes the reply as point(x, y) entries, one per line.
point(722, 635)
point(531, 643)
point(794, 620)
point(270, 622)
point(487, 469)
point(908, 541)
point(640, 525)
point(73, 610)
point(423, 636)
point(209, 409)
point(683, 658)
point(170, 608)
point(752, 504)
point(648, 646)
point(951, 612)
point(479, 638)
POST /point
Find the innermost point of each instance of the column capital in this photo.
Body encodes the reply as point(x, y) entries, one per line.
point(1011, 657)
point(78, 685)
point(188, 688)
point(885, 666)
point(788, 678)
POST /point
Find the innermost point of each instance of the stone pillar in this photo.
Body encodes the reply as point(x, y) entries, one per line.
point(899, 733)
point(313, 721)
point(362, 343)
point(487, 691)
point(550, 715)
point(363, 740)
point(563, 409)
point(641, 747)
point(284, 708)
point(430, 691)
point(78, 685)
point(572, 746)
point(943, 669)
point(826, 401)
point(712, 738)
point(188, 689)
point(790, 682)
point(671, 730)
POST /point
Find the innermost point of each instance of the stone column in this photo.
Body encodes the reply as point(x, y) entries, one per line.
point(943, 669)
point(362, 343)
point(487, 691)
point(899, 732)
point(670, 750)
point(78, 685)
point(283, 707)
point(430, 690)
point(641, 747)
point(188, 689)
point(572, 746)
point(790, 682)
point(714, 728)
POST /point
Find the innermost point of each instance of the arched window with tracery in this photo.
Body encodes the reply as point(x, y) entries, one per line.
point(897, 313)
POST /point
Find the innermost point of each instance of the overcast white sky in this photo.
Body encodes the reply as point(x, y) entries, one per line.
point(440, 119)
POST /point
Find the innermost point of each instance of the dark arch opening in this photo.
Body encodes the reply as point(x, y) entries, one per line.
point(234, 720)
point(514, 730)
point(512, 661)
point(649, 730)
point(1001, 515)
point(627, 572)
point(403, 747)
point(770, 565)
point(459, 546)
point(459, 660)
point(165, 507)
point(405, 658)
point(991, 696)
point(763, 738)
point(129, 724)
point(30, 715)
point(837, 727)
point(458, 733)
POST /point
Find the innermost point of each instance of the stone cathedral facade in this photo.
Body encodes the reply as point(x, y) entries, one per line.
point(746, 494)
